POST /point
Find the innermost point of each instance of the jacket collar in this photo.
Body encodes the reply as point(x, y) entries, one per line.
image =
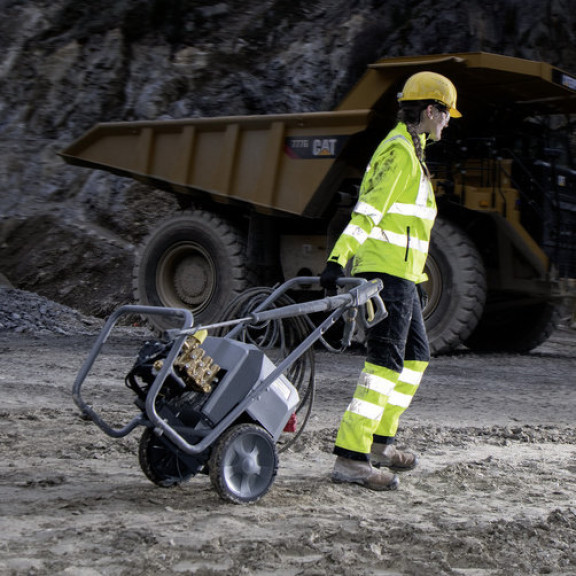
point(403, 130)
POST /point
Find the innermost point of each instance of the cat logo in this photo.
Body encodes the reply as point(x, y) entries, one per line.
point(314, 147)
point(325, 147)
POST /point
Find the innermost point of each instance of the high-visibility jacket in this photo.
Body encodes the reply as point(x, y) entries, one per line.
point(389, 230)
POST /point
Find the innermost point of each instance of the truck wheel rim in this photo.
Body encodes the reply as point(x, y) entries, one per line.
point(433, 286)
point(186, 277)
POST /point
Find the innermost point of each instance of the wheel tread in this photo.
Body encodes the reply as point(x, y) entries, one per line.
point(225, 238)
point(449, 329)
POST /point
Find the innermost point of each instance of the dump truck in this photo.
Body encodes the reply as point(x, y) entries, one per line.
point(263, 198)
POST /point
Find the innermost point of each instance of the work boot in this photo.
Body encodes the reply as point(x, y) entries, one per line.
point(363, 473)
point(389, 456)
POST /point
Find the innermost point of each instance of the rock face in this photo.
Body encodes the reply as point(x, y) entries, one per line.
point(69, 233)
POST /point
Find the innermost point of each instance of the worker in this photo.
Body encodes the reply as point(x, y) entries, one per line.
point(388, 237)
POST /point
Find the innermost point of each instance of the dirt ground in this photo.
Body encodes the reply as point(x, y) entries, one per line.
point(495, 493)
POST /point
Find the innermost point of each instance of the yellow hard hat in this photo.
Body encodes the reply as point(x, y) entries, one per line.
point(430, 86)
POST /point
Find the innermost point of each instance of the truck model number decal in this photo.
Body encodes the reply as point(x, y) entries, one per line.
point(314, 147)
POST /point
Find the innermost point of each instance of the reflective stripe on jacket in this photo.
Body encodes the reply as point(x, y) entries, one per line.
point(389, 230)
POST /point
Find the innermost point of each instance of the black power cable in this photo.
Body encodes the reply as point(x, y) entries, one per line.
point(277, 339)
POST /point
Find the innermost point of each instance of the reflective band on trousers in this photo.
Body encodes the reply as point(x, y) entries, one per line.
point(399, 399)
point(365, 409)
point(376, 383)
point(411, 376)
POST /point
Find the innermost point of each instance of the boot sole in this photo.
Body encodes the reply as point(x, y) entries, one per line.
point(377, 464)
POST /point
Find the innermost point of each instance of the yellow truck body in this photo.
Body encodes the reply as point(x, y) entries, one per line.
point(281, 187)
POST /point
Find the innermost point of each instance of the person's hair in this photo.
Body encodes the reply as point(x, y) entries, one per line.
point(410, 112)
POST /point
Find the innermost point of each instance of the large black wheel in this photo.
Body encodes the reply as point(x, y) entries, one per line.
point(197, 261)
point(456, 287)
point(514, 327)
point(161, 465)
point(243, 464)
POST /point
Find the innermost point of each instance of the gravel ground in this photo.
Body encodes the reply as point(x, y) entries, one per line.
point(23, 312)
point(494, 495)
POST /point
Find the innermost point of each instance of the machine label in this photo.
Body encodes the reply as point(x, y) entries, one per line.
point(314, 147)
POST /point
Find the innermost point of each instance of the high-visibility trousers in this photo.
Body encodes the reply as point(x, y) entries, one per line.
point(381, 397)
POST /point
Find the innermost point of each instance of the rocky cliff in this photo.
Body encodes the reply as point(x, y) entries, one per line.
point(69, 233)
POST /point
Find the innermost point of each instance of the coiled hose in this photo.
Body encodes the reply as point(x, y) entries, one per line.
point(277, 339)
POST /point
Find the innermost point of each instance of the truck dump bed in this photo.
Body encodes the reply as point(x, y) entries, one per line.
point(274, 163)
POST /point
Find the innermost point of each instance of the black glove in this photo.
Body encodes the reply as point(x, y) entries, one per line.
point(331, 273)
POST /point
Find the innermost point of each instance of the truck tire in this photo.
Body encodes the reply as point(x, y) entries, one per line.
point(514, 328)
point(196, 261)
point(456, 287)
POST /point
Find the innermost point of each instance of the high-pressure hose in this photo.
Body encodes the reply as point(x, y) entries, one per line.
point(277, 338)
